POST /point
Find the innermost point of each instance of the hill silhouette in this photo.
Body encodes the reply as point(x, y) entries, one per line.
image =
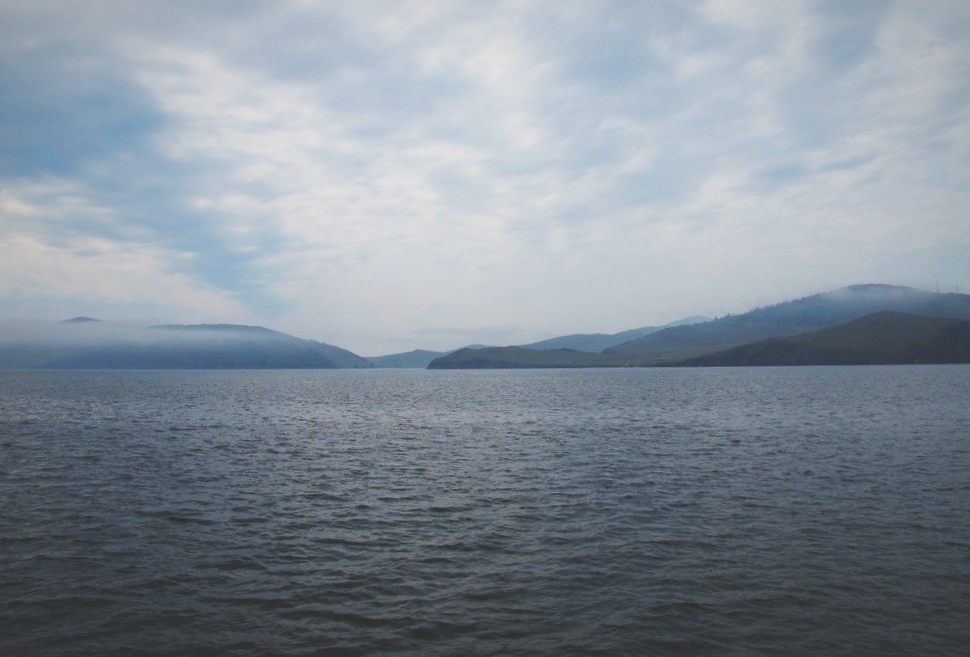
point(687, 344)
point(788, 319)
point(879, 339)
point(90, 344)
point(588, 342)
point(520, 358)
point(597, 342)
point(418, 358)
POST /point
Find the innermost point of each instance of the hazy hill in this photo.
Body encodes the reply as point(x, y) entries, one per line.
point(419, 358)
point(416, 359)
point(593, 343)
point(790, 318)
point(588, 342)
point(518, 357)
point(83, 343)
point(675, 345)
point(877, 339)
point(597, 342)
point(79, 320)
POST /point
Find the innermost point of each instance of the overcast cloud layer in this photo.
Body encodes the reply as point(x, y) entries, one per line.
point(391, 175)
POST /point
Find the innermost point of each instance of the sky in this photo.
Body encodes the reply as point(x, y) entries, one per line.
point(385, 176)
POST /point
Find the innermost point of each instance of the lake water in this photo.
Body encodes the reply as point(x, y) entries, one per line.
point(775, 511)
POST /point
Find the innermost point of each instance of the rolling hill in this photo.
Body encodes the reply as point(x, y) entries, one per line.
point(879, 339)
point(687, 344)
point(588, 342)
point(418, 358)
point(597, 342)
point(788, 319)
point(519, 358)
point(83, 343)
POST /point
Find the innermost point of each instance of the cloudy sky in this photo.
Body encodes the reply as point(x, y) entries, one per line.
point(392, 175)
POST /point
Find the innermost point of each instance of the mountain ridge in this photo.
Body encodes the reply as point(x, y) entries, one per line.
point(597, 342)
point(513, 357)
point(92, 344)
point(87, 343)
point(789, 318)
point(883, 338)
point(679, 344)
point(586, 342)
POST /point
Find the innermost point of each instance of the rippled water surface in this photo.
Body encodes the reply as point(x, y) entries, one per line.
point(806, 511)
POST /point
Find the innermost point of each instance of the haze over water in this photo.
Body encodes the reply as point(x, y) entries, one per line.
point(784, 511)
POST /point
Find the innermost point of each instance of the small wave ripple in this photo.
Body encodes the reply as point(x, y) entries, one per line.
point(821, 511)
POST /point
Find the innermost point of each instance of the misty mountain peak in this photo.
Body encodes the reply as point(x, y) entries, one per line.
point(79, 320)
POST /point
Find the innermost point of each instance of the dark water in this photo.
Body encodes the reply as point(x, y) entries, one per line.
point(812, 511)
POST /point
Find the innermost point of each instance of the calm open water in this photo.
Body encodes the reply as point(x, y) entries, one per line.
point(775, 511)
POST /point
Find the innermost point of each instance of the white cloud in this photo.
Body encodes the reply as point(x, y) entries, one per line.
point(359, 172)
point(102, 272)
point(50, 252)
